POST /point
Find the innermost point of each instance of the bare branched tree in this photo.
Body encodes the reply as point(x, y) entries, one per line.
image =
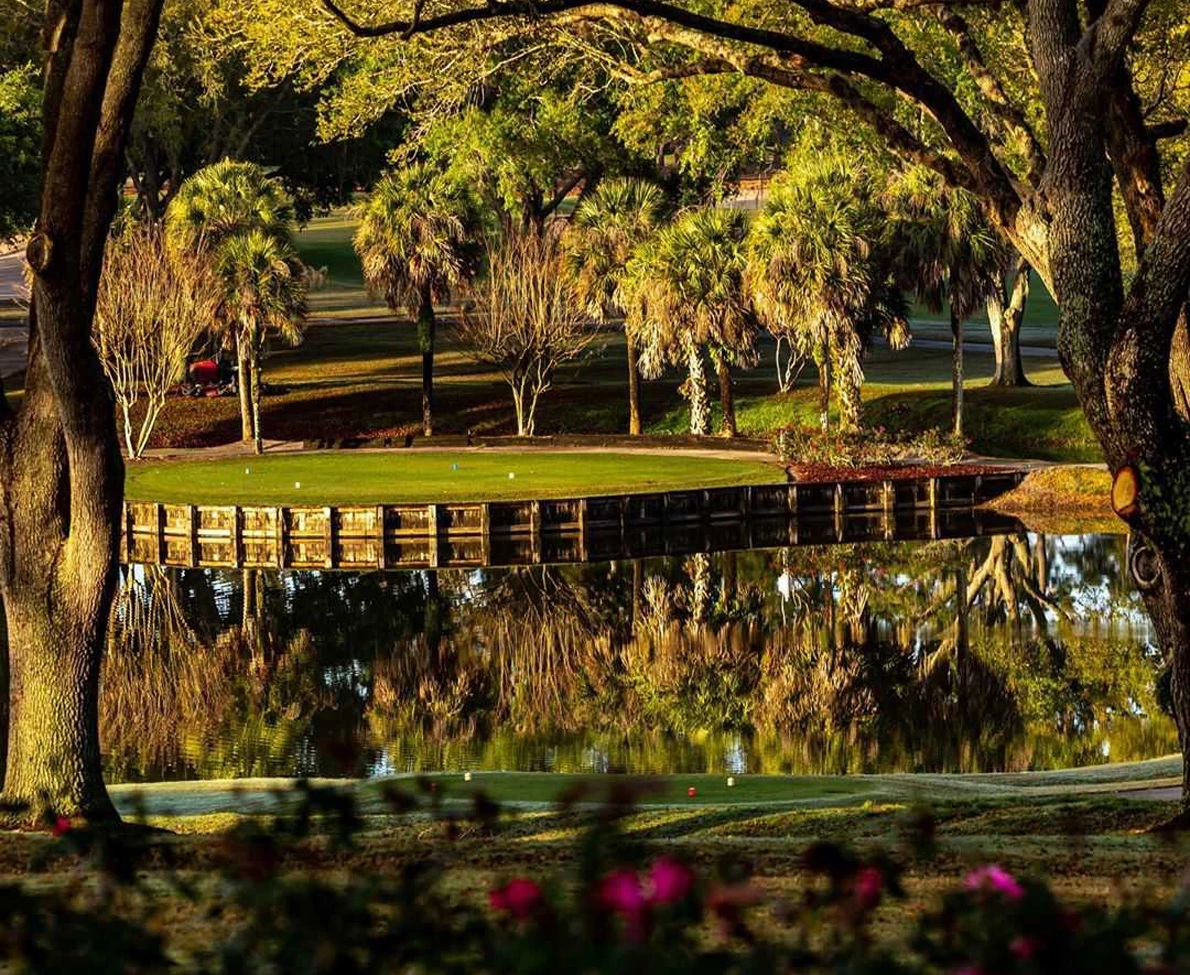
point(149, 312)
point(525, 319)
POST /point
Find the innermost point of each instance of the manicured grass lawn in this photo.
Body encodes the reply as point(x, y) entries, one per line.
point(709, 790)
point(431, 475)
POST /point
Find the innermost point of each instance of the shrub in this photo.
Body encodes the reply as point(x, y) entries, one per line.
point(626, 908)
point(866, 448)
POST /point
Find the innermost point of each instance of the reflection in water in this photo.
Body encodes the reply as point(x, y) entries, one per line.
point(1005, 652)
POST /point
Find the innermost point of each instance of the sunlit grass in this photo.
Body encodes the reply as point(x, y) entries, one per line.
point(433, 476)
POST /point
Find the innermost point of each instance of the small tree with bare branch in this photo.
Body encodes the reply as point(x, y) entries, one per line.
point(525, 319)
point(149, 313)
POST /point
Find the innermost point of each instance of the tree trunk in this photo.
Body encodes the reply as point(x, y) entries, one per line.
point(726, 398)
point(956, 373)
point(243, 384)
point(634, 422)
point(425, 338)
point(57, 591)
point(1004, 317)
point(696, 391)
point(254, 371)
point(824, 391)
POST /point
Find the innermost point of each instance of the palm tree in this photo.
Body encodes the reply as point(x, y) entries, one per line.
point(617, 217)
point(685, 295)
point(266, 296)
point(819, 278)
point(219, 204)
point(948, 254)
point(416, 244)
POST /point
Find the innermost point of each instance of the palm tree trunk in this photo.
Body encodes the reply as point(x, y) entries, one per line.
point(243, 383)
point(824, 388)
point(956, 372)
point(726, 398)
point(696, 391)
point(634, 422)
point(254, 369)
point(425, 336)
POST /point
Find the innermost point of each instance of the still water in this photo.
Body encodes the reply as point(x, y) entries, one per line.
point(1016, 651)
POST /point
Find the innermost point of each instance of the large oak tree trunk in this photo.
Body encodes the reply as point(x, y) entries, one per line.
point(61, 474)
point(57, 597)
point(426, 326)
point(634, 420)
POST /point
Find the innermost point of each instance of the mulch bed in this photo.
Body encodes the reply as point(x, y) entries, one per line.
point(819, 473)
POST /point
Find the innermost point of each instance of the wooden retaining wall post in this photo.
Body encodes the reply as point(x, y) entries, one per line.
point(159, 530)
point(432, 533)
point(237, 536)
point(485, 533)
point(535, 529)
point(329, 537)
point(279, 535)
point(378, 529)
point(192, 532)
point(582, 529)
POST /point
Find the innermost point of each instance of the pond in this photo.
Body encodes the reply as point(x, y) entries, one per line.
point(994, 653)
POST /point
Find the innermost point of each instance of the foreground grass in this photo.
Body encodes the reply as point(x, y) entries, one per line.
point(432, 476)
point(1093, 845)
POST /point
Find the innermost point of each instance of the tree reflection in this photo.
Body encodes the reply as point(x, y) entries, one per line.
point(991, 653)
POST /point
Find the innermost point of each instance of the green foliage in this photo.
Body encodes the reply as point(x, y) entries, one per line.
point(874, 447)
point(20, 149)
point(262, 284)
point(610, 223)
point(685, 286)
point(946, 251)
point(417, 237)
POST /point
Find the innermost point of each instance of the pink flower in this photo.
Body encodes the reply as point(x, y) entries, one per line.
point(520, 897)
point(995, 878)
point(670, 881)
point(61, 826)
point(869, 887)
point(1023, 948)
point(621, 891)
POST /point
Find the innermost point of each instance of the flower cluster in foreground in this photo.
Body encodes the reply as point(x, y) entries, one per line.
point(617, 905)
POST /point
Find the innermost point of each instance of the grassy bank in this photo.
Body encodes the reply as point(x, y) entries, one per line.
point(431, 476)
point(1066, 490)
point(1070, 827)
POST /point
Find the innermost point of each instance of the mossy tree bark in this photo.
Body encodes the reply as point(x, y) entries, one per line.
point(61, 474)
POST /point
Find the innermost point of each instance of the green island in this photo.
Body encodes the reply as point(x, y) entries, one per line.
point(396, 477)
